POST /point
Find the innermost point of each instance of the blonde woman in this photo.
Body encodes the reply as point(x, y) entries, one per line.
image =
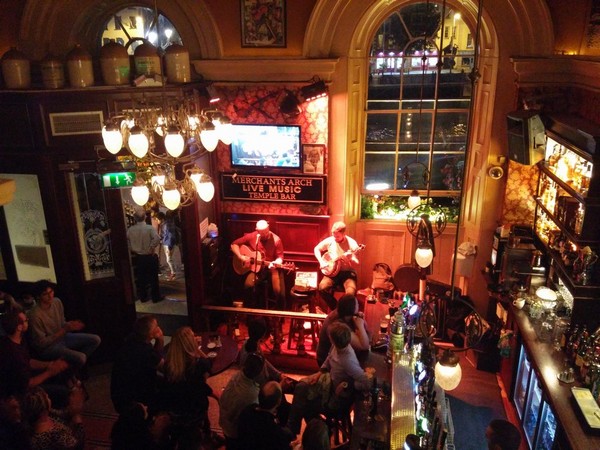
point(185, 393)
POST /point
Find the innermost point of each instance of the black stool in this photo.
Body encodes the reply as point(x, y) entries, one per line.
point(299, 298)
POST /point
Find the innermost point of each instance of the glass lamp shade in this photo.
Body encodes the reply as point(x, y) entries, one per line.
point(209, 139)
point(140, 194)
point(113, 139)
point(171, 197)
point(226, 133)
point(423, 257)
point(447, 371)
point(206, 190)
point(414, 200)
point(174, 142)
point(138, 142)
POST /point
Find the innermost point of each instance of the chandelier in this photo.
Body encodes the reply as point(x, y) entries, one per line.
point(163, 139)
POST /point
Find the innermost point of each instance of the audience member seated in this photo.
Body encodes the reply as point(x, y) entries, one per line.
point(19, 372)
point(185, 392)
point(14, 435)
point(316, 435)
point(502, 435)
point(52, 336)
point(346, 312)
point(257, 333)
point(53, 429)
point(134, 376)
point(258, 427)
point(7, 304)
point(135, 429)
point(241, 390)
point(332, 388)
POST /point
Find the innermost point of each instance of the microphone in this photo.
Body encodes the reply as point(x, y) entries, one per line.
point(257, 238)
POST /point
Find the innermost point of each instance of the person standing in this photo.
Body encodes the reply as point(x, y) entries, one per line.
point(337, 259)
point(255, 250)
point(54, 337)
point(170, 239)
point(143, 241)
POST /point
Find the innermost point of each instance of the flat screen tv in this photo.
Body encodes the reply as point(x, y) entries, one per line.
point(273, 146)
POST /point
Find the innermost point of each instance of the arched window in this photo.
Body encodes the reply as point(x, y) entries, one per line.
point(417, 110)
point(131, 26)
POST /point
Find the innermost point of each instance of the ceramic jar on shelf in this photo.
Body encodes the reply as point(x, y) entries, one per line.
point(147, 61)
point(177, 62)
point(53, 72)
point(114, 63)
point(16, 70)
point(80, 68)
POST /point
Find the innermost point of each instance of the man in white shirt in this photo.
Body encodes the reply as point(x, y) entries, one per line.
point(143, 241)
point(337, 259)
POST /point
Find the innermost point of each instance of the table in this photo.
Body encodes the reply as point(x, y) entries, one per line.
point(226, 354)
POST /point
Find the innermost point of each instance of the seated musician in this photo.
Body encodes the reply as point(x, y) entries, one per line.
point(260, 255)
point(337, 259)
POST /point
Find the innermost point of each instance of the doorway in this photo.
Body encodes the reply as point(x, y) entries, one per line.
point(172, 311)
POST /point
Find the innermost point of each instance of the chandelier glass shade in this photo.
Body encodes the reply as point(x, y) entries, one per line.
point(164, 140)
point(425, 223)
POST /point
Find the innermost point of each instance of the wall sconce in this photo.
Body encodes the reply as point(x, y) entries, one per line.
point(496, 170)
point(315, 90)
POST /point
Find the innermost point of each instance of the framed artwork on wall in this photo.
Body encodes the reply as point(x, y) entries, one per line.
point(263, 23)
point(313, 158)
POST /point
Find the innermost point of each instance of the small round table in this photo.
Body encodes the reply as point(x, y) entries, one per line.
point(225, 355)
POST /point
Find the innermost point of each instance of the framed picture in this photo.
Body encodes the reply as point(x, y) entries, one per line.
point(263, 23)
point(313, 158)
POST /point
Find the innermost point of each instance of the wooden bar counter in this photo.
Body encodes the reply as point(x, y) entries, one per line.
point(572, 431)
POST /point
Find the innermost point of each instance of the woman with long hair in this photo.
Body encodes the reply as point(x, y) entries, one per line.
point(185, 392)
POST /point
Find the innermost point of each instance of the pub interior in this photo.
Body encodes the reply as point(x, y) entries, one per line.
point(456, 140)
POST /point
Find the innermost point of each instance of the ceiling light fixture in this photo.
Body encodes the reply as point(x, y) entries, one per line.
point(163, 140)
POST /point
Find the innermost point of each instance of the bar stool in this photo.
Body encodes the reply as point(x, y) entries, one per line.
point(300, 298)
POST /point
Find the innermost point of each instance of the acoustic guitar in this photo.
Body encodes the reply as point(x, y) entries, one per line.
point(256, 262)
point(334, 264)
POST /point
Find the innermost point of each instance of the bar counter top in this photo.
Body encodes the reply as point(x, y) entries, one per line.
point(547, 363)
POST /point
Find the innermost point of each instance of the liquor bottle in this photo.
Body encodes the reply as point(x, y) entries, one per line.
point(580, 347)
point(374, 397)
point(573, 336)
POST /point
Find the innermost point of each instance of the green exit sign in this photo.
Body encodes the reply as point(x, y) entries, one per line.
point(118, 179)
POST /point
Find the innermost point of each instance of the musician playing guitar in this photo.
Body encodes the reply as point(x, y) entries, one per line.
point(337, 259)
point(265, 246)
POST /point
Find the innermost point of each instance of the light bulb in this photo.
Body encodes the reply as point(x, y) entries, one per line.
point(226, 133)
point(206, 190)
point(423, 257)
point(138, 142)
point(171, 198)
point(209, 139)
point(140, 194)
point(414, 200)
point(448, 377)
point(113, 139)
point(174, 142)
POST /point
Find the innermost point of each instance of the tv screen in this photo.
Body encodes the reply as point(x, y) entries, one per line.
point(276, 146)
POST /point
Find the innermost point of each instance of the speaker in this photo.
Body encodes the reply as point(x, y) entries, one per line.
point(526, 137)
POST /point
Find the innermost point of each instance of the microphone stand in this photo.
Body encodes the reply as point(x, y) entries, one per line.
point(254, 293)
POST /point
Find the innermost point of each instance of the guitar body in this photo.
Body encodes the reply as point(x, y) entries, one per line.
point(334, 264)
point(256, 263)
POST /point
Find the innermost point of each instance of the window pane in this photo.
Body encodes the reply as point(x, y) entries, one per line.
point(130, 25)
point(93, 229)
point(379, 171)
point(381, 128)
